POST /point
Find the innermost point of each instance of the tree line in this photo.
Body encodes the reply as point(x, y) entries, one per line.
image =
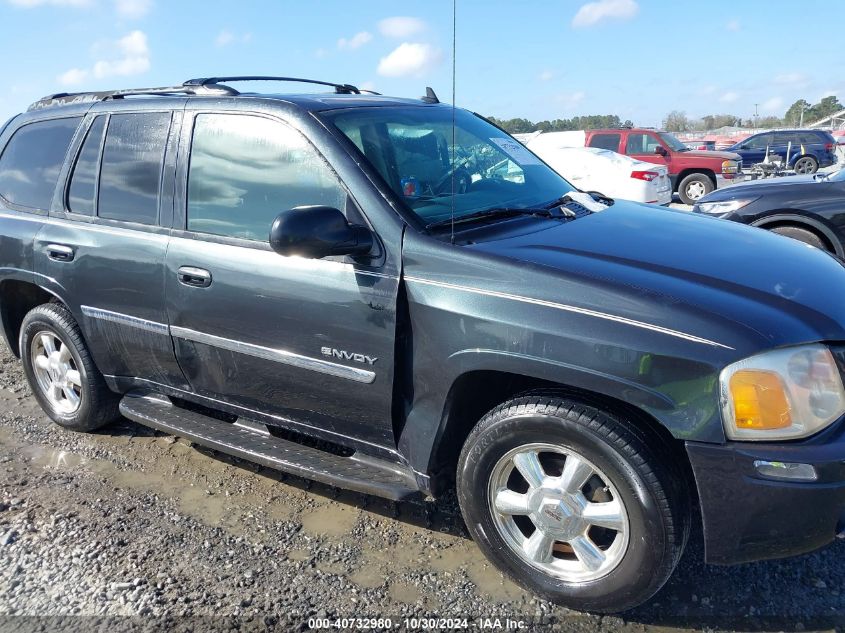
point(678, 121)
point(590, 122)
point(799, 113)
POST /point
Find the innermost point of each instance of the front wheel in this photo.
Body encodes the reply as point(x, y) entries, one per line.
point(694, 187)
point(575, 504)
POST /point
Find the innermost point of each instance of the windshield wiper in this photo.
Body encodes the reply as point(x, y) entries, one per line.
point(488, 214)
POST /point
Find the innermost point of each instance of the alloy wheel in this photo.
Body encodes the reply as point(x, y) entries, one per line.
point(56, 372)
point(559, 512)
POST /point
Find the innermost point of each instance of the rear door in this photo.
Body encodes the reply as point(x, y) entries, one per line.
point(103, 250)
point(300, 340)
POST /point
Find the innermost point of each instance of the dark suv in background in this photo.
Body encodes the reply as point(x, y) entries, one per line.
point(289, 278)
point(805, 151)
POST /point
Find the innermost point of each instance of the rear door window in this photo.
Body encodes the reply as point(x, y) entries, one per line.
point(31, 163)
point(133, 157)
point(83, 182)
point(606, 141)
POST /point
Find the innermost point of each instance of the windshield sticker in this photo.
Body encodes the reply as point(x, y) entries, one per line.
point(516, 151)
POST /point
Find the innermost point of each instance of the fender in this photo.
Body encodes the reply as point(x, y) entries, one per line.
point(796, 217)
point(421, 437)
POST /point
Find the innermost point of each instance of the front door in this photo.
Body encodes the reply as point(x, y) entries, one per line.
point(643, 146)
point(303, 340)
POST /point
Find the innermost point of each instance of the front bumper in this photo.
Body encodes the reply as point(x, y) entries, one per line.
point(725, 180)
point(749, 517)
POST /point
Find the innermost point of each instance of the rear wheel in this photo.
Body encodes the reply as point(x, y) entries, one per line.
point(574, 503)
point(61, 372)
point(694, 187)
point(802, 235)
point(806, 165)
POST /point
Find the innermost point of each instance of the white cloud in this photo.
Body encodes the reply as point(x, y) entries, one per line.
point(546, 75)
point(133, 9)
point(571, 99)
point(401, 27)
point(733, 25)
point(356, 41)
point(29, 4)
point(729, 97)
point(224, 38)
point(130, 55)
point(410, 59)
point(73, 77)
point(792, 79)
point(596, 12)
point(775, 104)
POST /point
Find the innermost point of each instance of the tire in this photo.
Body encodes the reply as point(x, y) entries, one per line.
point(70, 365)
point(694, 187)
point(806, 165)
point(802, 235)
point(631, 468)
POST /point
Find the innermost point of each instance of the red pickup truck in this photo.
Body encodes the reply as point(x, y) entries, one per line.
point(694, 174)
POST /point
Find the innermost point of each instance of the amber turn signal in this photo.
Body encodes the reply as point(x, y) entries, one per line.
point(760, 400)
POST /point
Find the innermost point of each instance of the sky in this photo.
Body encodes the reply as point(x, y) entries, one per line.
point(538, 59)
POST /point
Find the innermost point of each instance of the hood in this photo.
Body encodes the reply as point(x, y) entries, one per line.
point(762, 187)
point(747, 288)
point(695, 153)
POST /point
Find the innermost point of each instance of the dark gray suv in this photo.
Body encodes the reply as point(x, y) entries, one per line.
point(394, 296)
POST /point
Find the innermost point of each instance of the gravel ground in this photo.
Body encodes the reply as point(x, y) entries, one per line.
point(130, 522)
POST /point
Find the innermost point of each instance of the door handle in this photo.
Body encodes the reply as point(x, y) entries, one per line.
point(194, 277)
point(60, 252)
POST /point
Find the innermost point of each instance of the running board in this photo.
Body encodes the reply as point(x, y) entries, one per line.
point(245, 440)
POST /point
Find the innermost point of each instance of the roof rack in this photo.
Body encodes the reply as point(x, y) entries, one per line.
point(217, 81)
point(67, 98)
point(204, 86)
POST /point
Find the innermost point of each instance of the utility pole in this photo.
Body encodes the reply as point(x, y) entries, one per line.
point(756, 114)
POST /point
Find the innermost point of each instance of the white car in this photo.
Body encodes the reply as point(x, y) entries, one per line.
point(593, 169)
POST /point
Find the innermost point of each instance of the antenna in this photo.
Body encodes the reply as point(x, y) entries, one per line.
point(454, 73)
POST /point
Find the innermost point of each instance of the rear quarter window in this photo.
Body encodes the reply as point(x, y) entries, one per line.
point(32, 160)
point(606, 141)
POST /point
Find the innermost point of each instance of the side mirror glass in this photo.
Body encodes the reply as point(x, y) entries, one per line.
point(660, 150)
point(318, 231)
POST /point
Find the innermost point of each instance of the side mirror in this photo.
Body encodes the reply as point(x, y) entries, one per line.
point(316, 232)
point(660, 150)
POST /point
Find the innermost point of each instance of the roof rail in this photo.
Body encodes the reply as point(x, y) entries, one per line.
point(67, 98)
point(218, 81)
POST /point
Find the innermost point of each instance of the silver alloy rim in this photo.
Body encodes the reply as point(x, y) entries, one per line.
point(56, 372)
point(803, 166)
point(561, 532)
point(695, 190)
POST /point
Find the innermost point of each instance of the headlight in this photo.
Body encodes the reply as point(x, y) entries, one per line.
point(724, 207)
point(782, 394)
point(730, 167)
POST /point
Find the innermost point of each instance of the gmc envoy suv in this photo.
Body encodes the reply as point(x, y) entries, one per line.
point(396, 297)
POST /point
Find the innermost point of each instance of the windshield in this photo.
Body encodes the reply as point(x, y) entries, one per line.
point(412, 149)
point(672, 143)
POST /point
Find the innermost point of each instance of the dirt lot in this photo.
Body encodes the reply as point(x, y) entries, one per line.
point(130, 522)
